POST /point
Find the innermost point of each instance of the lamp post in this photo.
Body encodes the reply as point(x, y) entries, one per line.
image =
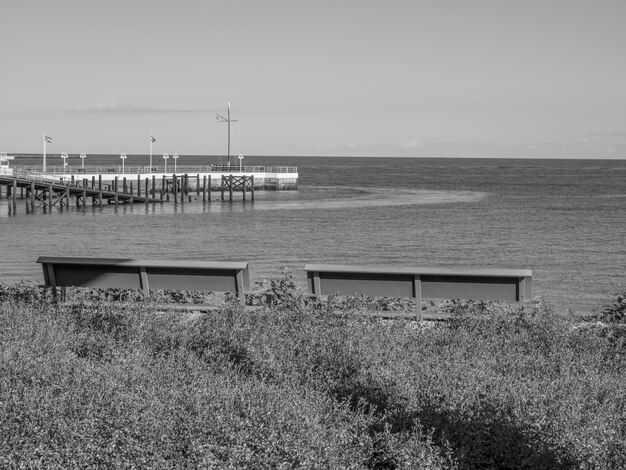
point(64, 157)
point(82, 161)
point(175, 157)
point(123, 157)
point(240, 157)
point(165, 157)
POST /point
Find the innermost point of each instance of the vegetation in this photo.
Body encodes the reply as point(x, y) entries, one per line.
point(294, 383)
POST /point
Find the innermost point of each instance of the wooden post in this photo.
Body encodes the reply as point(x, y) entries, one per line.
point(84, 197)
point(163, 186)
point(14, 192)
point(153, 185)
point(146, 192)
point(50, 195)
point(198, 185)
point(203, 188)
point(115, 197)
point(252, 189)
point(175, 188)
point(72, 178)
point(115, 185)
point(186, 183)
point(100, 182)
point(243, 186)
point(67, 195)
point(124, 187)
point(182, 189)
point(230, 189)
point(139, 186)
point(223, 183)
point(32, 194)
point(93, 182)
point(209, 195)
point(100, 197)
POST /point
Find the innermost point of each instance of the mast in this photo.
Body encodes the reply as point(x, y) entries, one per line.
point(228, 120)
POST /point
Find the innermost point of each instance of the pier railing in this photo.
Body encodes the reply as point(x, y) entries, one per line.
point(140, 170)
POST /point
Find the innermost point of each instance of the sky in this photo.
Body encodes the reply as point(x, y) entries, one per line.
point(467, 78)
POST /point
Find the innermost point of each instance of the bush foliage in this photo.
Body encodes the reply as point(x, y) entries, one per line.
point(297, 383)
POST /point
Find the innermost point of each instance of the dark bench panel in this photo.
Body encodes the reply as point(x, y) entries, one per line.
point(392, 285)
point(448, 287)
point(71, 275)
point(192, 279)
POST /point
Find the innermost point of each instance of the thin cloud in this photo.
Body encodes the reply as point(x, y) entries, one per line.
point(413, 144)
point(115, 107)
point(608, 134)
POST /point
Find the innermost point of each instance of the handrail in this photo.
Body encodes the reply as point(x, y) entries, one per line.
point(140, 170)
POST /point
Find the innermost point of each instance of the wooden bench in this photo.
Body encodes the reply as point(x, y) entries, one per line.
point(146, 274)
point(509, 285)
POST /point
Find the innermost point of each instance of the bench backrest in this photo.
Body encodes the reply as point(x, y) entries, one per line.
point(511, 285)
point(146, 274)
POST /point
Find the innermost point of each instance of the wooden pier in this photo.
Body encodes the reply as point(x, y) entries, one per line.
point(51, 193)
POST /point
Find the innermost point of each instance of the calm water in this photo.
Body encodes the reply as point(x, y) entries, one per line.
point(566, 220)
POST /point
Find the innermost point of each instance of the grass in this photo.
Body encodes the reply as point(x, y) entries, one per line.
point(293, 384)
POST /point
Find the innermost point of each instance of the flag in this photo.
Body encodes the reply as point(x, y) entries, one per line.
point(46, 138)
point(152, 139)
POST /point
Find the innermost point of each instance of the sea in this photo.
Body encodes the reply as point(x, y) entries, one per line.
point(564, 219)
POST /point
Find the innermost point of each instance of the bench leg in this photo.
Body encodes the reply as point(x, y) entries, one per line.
point(240, 289)
point(417, 292)
point(521, 287)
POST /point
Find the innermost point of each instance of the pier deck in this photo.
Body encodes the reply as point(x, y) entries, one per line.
point(52, 192)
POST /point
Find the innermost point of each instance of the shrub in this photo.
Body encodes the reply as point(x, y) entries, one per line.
point(295, 383)
point(613, 311)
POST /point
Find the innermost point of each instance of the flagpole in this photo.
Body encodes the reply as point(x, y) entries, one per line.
point(44, 152)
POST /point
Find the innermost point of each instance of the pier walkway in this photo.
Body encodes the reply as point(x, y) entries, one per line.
point(51, 192)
